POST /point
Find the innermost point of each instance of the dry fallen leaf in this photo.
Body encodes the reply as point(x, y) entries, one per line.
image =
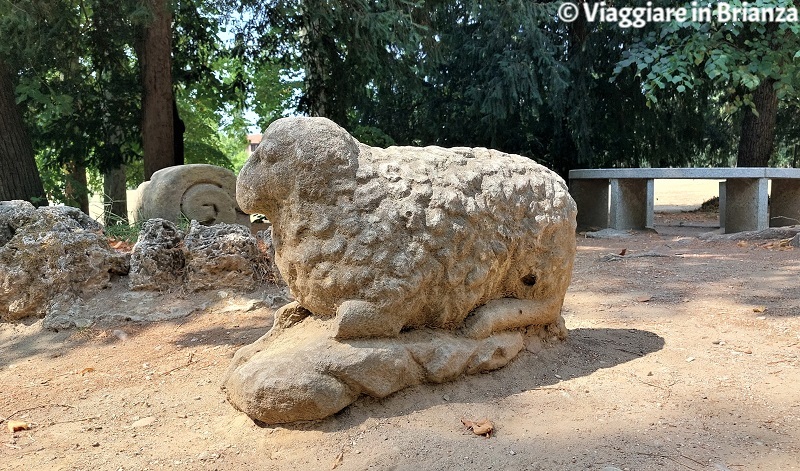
point(742, 243)
point(86, 370)
point(483, 427)
point(624, 251)
point(16, 426)
point(143, 422)
point(338, 460)
point(120, 245)
point(759, 309)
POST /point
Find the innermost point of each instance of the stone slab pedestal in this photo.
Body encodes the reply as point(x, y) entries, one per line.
point(784, 205)
point(591, 196)
point(745, 207)
point(632, 203)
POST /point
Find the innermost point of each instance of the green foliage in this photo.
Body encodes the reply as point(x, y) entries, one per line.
point(507, 75)
point(77, 82)
point(275, 90)
point(338, 44)
point(209, 82)
point(80, 88)
point(481, 76)
point(372, 136)
point(122, 230)
point(237, 152)
point(733, 56)
point(202, 119)
point(727, 60)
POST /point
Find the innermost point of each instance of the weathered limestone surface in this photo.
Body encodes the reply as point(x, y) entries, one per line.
point(55, 260)
point(13, 215)
point(158, 260)
point(201, 192)
point(459, 249)
point(223, 255)
point(298, 371)
point(54, 253)
point(208, 257)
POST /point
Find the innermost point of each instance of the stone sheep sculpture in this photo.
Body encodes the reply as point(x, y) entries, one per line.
point(407, 265)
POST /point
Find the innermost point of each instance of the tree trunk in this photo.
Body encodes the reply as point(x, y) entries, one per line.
point(318, 49)
point(19, 177)
point(758, 132)
point(180, 129)
point(316, 95)
point(77, 188)
point(157, 114)
point(115, 197)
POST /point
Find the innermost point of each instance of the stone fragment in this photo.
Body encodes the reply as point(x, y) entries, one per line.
point(608, 234)
point(206, 258)
point(143, 422)
point(222, 256)
point(301, 373)
point(13, 215)
point(116, 305)
point(158, 260)
point(459, 249)
point(784, 232)
point(54, 253)
point(201, 192)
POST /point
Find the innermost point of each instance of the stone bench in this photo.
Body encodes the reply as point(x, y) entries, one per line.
point(623, 198)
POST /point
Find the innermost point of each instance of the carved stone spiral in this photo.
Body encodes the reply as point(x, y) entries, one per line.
point(201, 192)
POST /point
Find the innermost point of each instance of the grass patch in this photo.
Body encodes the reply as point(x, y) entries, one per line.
point(124, 231)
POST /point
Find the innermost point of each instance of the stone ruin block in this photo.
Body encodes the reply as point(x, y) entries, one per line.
point(206, 257)
point(158, 260)
point(51, 254)
point(223, 255)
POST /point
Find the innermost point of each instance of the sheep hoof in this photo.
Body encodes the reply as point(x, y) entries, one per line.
point(362, 319)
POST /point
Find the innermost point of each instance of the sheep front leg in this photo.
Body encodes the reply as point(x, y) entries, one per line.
point(363, 319)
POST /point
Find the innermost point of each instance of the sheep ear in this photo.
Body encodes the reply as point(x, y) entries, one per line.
point(268, 153)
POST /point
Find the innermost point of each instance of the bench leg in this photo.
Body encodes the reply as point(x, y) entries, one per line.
point(745, 205)
point(591, 196)
point(631, 203)
point(722, 202)
point(784, 204)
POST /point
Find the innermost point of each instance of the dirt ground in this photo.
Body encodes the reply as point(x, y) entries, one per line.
point(683, 361)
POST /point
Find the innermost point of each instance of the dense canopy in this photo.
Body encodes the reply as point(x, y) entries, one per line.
point(105, 89)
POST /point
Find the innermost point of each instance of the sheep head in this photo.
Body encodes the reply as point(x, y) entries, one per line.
point(286, 163)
